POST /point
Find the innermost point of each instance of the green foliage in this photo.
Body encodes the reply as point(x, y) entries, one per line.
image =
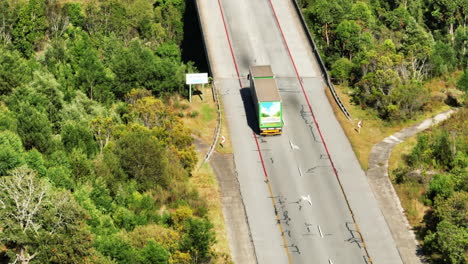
point(453, 209)
point(441, 185)
point(11, 152)
point(408, 100)
point(30, 26)
point(443, 58)
point(391, 45)
point(82, 167)
point(75, 13)
point(40, 223)
point(101, 197)
point(78, 136)
point(198, 239)
point(348, 37)
point(61, 177)
point(66, 68)
point(14, 70)
point(7, 119)
point(462, 83)
point(138, 67)
point(34, 128)
point(421, 153)
point(35, 161)
point(450, 241)
point(341, 70)
point(116, 248)
point(144, 159)
point(443, 151)
point(154, 253)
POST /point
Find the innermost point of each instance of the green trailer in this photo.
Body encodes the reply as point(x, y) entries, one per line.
point(266, 99)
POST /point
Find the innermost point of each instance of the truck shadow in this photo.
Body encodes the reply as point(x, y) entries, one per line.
point(249, 109)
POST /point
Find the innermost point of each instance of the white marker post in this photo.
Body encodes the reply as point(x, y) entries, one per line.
point(359, 125)
point(196, 78)
point(223, 139)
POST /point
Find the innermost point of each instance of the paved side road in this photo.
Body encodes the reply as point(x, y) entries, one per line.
point(385, 193)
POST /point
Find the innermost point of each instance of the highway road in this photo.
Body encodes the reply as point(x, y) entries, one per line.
point(304, 192)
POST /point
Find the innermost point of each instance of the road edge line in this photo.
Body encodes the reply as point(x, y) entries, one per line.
point(257, 144)
point(320, 132)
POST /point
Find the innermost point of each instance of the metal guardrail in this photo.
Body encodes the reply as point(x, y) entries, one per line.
point(320, 61)
point(218, 126)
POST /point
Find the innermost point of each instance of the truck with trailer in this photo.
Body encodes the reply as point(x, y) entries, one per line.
point(266, 99)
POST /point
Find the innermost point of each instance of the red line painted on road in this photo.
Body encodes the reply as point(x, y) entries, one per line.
point(229, 42)
point(318, 127)
point(256, 142)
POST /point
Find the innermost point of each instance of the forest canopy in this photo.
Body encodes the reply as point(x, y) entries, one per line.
point(90, 136)
point(386, 50)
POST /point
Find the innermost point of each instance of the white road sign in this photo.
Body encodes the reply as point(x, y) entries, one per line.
point(196, 78)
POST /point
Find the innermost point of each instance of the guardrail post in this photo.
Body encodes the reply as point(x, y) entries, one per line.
point(320, 61)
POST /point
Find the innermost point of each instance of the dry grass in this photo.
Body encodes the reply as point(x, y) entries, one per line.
point(373, 129)
point(203, 126)
point(411, 194)
point(227, 146)
point(207, 186)
point(199, 115)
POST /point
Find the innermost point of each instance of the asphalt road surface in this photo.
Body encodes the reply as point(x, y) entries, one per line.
point(304, 192)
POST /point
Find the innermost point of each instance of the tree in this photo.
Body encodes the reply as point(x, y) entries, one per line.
point(7, 18)
point(14, 71)
point(90, 74)
point(30, 26)
point(441, 185)
point(7, 119)
point(454, 209)
point(144, 158)
point(442, 153)
point(461, 45)
point(116, 248)
point(443, 58)
point(361, 12)
point(78, 136)
point(341, 70)
point(450, 240)
point(34, 128)
point(198, 239)
point(102, 129)
point(408, 100)
point(138, 67)
point(348, 35)
point(154, 253)
point(11, 151)
point(42, 93)
point(462, 83)
point(35, 161)
point(75, 14)
point(152, 111)
point(47, 87)
point(417, 46)
point(326, 13)
point(39, 223)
